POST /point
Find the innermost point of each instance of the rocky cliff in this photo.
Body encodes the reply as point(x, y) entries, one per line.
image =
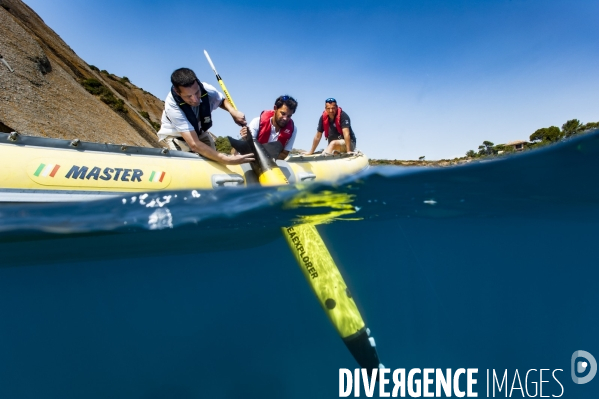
point(51, 92)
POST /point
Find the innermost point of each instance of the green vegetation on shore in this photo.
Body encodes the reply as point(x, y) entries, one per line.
point(540, 138)
point(155, 125)
point(223, 145)
point(553, 134)
point(98, 89)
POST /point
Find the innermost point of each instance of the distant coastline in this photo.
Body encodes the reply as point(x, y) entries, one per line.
point(540, 138)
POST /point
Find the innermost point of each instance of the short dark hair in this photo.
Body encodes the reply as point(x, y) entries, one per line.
point(287, 100)
point(183, 77)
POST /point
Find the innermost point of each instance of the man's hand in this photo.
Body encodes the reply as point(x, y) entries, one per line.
point(238, 117)
point(307, 152)
point(238, 159)
point(192, 140)
point(243, 132)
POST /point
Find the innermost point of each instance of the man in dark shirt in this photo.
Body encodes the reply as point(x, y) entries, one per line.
point(336, 125)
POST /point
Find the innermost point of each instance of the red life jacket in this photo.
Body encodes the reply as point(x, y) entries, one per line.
point(265, 128)
point(325, 122)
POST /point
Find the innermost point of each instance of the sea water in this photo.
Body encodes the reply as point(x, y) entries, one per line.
point(195, 294)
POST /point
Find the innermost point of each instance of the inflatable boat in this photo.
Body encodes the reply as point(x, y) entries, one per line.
point(37, 169)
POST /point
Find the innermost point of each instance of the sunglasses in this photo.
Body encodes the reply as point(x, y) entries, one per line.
point(330, 100)
point(286, 98)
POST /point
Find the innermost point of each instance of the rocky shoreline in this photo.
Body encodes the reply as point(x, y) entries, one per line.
point(420, 163)
point(42, 90)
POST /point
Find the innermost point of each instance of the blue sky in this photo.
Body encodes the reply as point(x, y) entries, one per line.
point(429, 77)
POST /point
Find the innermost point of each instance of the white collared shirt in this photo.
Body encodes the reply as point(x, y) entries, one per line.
point(174, 120)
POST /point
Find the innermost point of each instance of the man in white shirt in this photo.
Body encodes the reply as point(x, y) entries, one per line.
point(187, 116)
point(275, 126)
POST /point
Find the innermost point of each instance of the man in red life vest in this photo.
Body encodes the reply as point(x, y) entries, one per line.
point(276, 127)
point(336, 125)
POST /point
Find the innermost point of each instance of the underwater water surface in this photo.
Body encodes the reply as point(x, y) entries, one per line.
point(491, 265)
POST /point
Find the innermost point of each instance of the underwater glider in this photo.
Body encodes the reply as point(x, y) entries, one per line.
point(316, 262)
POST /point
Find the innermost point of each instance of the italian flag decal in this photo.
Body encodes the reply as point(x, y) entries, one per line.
point(157, 176)
point(45, 170)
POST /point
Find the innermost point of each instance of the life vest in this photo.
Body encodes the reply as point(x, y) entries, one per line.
point(205, 121)
point(326, 122)
point(265, 128)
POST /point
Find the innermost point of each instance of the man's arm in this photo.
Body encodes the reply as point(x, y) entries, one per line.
point(191, 138)
point(314, 143)
point(237, 115)
point(251, 127)
point(347, 139)
point(244, 131)
point(289, 145)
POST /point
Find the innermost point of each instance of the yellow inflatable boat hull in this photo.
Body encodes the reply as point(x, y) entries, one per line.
point(36, 169)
